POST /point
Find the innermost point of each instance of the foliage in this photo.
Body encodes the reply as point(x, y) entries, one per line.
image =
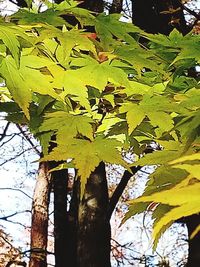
point(103, 92)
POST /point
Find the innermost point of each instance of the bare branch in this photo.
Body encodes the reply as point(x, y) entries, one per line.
point(120, 188)
point(191, 12)
point(9, 139)
point(5, 218)
point(16, 156)
point(4, 131)
point(28, 139)
point(16, 189)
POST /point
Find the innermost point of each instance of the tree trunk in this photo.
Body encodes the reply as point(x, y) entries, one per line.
point(72, 223)
point(60, 182)
point(39, 229)
point(94, 228)
point(193, 254)
point(116, 6)
point(96, 6)
point(158, 16)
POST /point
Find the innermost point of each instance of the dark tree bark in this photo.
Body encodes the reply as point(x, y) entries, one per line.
point(94, 228)
point(158, 16)
point(194, 244)
point(95, 6)
point(21, 3)
point(116, 6)
point(60, 181)
point(72, 223)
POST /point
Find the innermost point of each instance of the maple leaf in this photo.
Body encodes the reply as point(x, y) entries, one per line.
point(109, 26)
point(185, 202)
point(134, 115)
point(30, 69)
point(137, 88)
point(189, 50)
point(158, 157)
point(67, 125)
point(18, 88)
point(68, 41)
point(9, 38)
point(91, 70)
point(156, 108)
point(195, 156)
point(49, 16)
point(89, 156)
point(83, 15)
point(139, 58)
point(75, 87)
point(190, 163)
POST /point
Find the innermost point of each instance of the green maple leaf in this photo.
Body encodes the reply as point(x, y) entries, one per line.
point(164, 177)
point(109, 26)
point(83, 15)
point(188, 127)
point(89, 156)
point(134, 115)
point(184, 201)
point(184, 47)
point(18, 88)
point(137, 88)
point(67, 125)
point(30, 69)
point(49, 16)
point(156, 108)
point(92, 70)
point(189, 163)
point(75, 87)
point(66, 5)
point(189, 49)
point(68, 40)
point(158, 39)
point(194, 169)
point(9, 38)
point(139, 58)
point(158, 157)
point(183, 159)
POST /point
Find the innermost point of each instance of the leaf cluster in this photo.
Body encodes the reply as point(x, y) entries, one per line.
point(105, 91)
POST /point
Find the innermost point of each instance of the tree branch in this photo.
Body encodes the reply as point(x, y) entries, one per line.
point(191, 12)
point(16, 156)
point(5, 218)
point(4, 131)
point(15, 189)
point(120, 188)
point(28, 139)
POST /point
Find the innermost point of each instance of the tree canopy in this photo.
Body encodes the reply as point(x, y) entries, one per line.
point(106, 91)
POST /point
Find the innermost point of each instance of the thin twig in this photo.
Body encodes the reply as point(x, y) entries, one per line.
point(15, 189)
point(5, 218)
point(4, 131)
point(16, 156)
point(28, 139)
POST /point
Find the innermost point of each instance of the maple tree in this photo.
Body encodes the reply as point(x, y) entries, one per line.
point(93, 96)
